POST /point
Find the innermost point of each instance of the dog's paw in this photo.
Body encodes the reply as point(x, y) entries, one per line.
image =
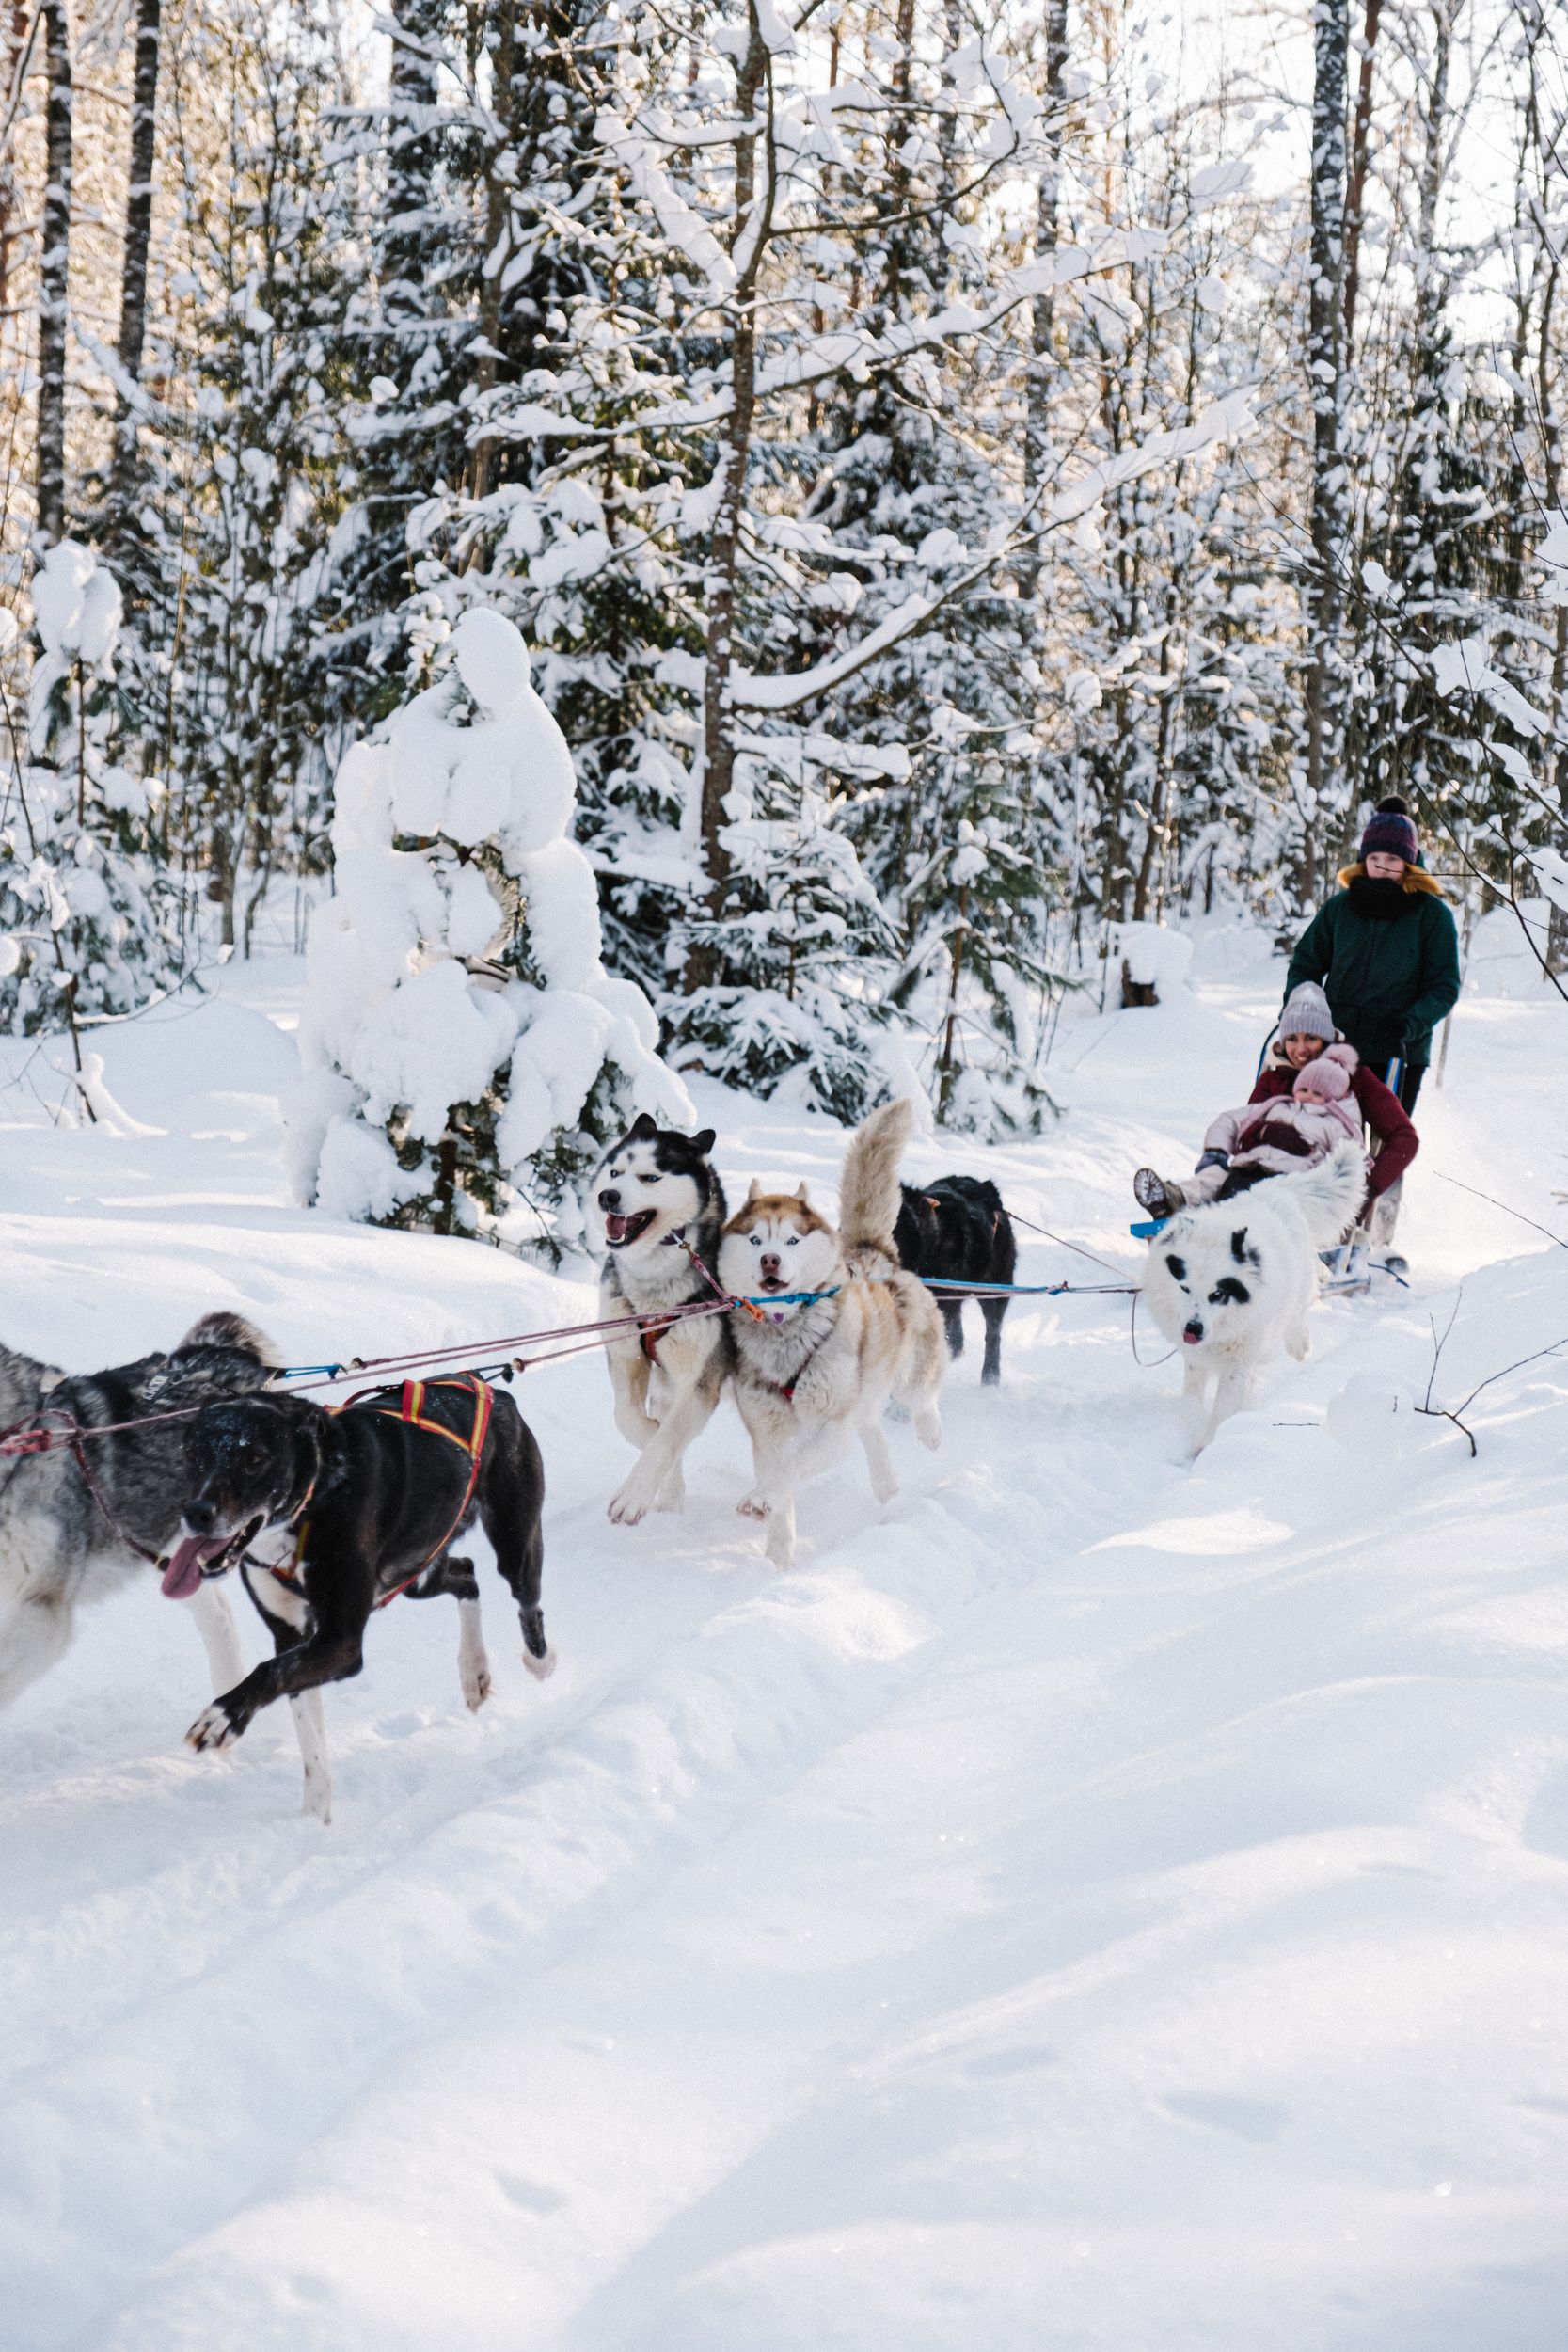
point(213, 1729)
point(631, 1502)
point(751, 1507)
point(316, 1805)
point(928, 1428)
point(477, 1686)
point(672, 1495)
point(780, 1546)
point(540, 1668)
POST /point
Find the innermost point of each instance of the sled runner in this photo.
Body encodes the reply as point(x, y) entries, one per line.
point(1349, 1270)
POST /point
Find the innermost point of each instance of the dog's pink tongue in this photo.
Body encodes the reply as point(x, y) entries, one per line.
point(183, 1573)
point(615, 1227)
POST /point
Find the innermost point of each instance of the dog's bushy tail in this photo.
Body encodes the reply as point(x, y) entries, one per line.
point(230, 1330)
point(869, 1197)
point(1330, 1194)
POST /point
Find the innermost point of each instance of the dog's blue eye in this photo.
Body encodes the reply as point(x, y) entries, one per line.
point(757, 1241)
point(647, 1180)
point(794, 1241)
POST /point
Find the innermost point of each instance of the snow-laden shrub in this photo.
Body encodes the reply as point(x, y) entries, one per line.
point(89, 917)
point(465, 1054)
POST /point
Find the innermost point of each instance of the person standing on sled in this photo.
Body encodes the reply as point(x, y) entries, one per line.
point(1385, 953)
point(1312, 1091)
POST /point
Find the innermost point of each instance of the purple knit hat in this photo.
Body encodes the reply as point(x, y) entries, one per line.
point(1390, 830)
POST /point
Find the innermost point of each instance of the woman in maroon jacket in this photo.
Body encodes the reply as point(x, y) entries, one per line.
point(1381, 1108)
point(1306, 1030)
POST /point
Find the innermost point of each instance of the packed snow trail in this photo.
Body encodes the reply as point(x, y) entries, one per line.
point(1095, 1903)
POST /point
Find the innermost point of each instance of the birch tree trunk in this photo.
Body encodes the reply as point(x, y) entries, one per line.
point(54, 271)
point(1325, 367)
point(132, 282)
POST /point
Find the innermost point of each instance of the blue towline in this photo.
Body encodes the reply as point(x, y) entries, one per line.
point(790, 1298)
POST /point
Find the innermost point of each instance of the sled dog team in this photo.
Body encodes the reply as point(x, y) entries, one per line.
point(329, 1514)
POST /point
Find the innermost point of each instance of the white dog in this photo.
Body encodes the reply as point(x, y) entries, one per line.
point(850, 1331)
point(1232, 1283)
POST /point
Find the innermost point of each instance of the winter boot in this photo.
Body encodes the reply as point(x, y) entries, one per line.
point(1156, 1193)
point(1384, 1217)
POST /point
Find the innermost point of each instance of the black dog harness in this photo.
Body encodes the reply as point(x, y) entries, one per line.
point(410, 1410)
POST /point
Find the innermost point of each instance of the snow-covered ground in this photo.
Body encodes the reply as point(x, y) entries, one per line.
point(1094, 1902)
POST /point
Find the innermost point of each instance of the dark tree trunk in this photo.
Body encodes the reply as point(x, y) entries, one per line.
point(1325, 362)
point(132, 280)
point(499, 170)
point(11, 197)
point(1041, 365)
point(1355, 193)
point(54, 271)
point(735, 458)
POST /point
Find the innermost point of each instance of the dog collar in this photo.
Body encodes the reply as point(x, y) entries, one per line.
point(788, 1299)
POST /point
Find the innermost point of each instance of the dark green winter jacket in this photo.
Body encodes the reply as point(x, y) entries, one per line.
point(1389, 967)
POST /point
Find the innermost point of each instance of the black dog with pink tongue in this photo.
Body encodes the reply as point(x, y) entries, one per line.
point(329, 1515)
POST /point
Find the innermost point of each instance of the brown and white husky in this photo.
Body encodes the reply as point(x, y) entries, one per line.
point(810, 1376)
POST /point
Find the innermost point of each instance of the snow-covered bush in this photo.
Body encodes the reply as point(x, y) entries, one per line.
point(465, 1054)
point(89, 914)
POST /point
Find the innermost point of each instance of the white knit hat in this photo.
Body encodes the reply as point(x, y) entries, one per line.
point(1307, 1013)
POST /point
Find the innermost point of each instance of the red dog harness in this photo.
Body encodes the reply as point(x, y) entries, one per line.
point(653, 1332)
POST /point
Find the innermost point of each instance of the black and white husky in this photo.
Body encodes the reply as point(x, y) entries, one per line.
point(1230, 1283)
point(653, 1192)
point(61, 1544)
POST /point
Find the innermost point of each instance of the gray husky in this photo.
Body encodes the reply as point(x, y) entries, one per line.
point(651, 1192)
point(61, 1542)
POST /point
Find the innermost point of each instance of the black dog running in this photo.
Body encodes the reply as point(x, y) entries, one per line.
point(367, 1502)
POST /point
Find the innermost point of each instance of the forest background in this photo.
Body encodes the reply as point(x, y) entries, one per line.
point(978, 483)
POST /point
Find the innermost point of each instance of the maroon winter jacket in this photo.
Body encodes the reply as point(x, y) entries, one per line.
point(1398, 1142)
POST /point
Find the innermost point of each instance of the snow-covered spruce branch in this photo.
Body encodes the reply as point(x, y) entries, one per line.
point(1224, 422)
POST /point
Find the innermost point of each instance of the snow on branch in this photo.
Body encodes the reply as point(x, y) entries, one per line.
point(1226, 420)
point(686, 228)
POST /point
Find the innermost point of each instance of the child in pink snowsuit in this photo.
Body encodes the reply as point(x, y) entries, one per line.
point(1279, 1134)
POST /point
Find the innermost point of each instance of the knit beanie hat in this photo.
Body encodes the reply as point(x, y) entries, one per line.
point(1389, 830)
point(1307, 1013)
point(1326, 1078)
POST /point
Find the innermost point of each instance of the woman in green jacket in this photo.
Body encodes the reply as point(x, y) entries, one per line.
point(1385, 951)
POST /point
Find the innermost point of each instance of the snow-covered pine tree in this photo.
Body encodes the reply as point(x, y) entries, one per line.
point(581, 524)
point(413, 167)
point(247, 488)
point(466, 1054)
point(804, 948)
point(88, 916)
